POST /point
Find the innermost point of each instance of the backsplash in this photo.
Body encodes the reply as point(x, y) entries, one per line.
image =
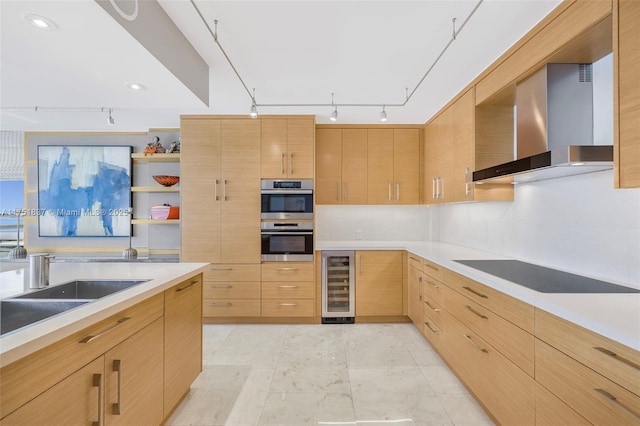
point(578, 223)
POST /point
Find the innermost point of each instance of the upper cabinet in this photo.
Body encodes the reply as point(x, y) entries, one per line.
point(359, 165)
point(287, 147)
point(626, 48)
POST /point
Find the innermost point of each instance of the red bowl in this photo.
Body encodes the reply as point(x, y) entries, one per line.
point(166, 180)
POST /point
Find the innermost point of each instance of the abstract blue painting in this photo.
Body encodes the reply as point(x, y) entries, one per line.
point(84, 191)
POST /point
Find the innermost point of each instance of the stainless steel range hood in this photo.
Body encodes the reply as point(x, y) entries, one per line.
point(554, 128)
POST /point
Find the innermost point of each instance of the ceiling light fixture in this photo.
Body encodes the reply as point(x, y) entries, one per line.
point(136, 87)
point(110, 120)
point(254, 107)
point(334, 114)
point(383, 114)
point(40, 22)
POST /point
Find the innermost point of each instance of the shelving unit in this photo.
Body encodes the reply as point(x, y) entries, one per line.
point(155, 222)
point(155, 189)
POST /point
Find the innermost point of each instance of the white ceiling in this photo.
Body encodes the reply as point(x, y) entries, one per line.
point(291, 52)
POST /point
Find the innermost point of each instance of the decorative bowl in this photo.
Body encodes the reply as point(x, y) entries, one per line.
point(166, 180)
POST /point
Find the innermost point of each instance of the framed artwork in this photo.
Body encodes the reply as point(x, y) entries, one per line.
point(84, 191)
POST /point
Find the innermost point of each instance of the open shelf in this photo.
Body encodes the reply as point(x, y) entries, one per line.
point(155, 189)
point(155, 158)
point(155, 221)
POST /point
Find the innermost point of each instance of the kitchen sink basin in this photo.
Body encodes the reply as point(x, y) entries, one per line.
point(81, 289)
point(16, 313)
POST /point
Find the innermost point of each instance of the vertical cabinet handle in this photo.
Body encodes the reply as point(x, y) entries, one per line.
point(97, 382)
point(389, 194)
point(419, 288)
point(117, 368)
point(282, 164)
point(397, 191)
point(467, 185)
point(224, 190)
point(434, 195)
point(291, 163)
point(215, 190)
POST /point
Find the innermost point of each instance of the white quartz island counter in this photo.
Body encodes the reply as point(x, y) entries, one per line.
point(616, 316)
point(26, 340)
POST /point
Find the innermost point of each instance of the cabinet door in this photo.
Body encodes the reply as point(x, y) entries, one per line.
point(444, 156)
point(240, 214)
point(378, 283)
point(274, 148)
point(76, 400)
point(182, 339)
point(627, 173)
point(380, 149)
point(201, 190)
point(415, 296)
point(300, 138)
point(463, 145)
point(354, 166)
point(133, 385)
point(430, 163)
point(329, 166)
point(406, 166)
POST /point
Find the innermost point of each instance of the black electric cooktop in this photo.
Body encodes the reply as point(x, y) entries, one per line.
point(544, 280)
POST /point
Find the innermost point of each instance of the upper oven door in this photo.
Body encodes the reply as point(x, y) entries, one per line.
point(287, 199)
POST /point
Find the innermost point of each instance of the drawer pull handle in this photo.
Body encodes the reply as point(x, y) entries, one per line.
point(287, 286)
point(616, 401)
point(432, 308)
point(484, 296)
point(413, 258)
point(192, 283)
point(117, 368)
point(431, 267)
point(286, 269)
point(434, 285)
point(287, 304)
point(221, 286)
point(470, 340)
point(220, 305)
point(222, 269)
point(89, 339)
point(431, 328)
point(419, 288)
point(97, 382)
point(617, 357)
point(477, 313)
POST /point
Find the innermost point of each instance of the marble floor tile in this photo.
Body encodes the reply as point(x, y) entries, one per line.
point(426, 358)
point(442, 380)
point(464, 410)
point(307, 408)
point(379, 352)
point(311, 379)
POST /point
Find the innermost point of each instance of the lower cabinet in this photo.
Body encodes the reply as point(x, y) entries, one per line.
point(379, 283)
point(288, 289)
point(231, 290)
point(129, 369)
point(75, 400)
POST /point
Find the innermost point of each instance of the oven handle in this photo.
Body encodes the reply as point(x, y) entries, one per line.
point(291, 231)
point(287, 191)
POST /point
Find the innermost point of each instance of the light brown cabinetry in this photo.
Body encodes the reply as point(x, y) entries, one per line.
point(550, 410)
point(354, 166)
point(81, 394)
point(220, 196)
point(288, 289)
point(182, 339)
point(232, 291)
point(414, 291)
point(393, 161)
point(626, 49)
point(378, 283)
point(288, 147)
point(439, 155)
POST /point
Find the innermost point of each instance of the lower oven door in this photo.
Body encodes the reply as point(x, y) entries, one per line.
point(287, 245)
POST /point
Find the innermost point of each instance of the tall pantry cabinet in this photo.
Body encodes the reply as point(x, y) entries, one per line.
point(220, 197)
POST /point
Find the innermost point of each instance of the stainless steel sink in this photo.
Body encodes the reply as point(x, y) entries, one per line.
point(81, 289)
point(17, 313)
point(29, 308)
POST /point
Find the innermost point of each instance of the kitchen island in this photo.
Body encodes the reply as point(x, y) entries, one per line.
point(131, 355)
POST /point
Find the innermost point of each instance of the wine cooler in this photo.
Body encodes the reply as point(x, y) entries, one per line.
point(338, 287)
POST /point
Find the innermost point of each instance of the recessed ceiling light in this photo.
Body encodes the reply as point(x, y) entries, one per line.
point(40, 22)
point(135, 86)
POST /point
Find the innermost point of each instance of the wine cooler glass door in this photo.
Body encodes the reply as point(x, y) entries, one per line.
point(338, 290)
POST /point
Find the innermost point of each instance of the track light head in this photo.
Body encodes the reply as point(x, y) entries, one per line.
point(334, 115)
point(110, 120)
point(383, 115)
point(254, 111)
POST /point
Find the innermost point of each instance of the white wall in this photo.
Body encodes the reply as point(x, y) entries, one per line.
point(577, 223)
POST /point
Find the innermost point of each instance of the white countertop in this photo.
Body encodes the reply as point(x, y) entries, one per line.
point(616, 316)
point(26, 340)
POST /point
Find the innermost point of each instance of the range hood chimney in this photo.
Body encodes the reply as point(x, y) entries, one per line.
point(554, 128)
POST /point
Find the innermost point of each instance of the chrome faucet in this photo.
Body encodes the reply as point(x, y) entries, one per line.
point(39, 264)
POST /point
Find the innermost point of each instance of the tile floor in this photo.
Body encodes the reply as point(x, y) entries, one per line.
point(360, 374)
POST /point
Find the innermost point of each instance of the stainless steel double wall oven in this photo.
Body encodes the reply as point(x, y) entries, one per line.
point(287, 220)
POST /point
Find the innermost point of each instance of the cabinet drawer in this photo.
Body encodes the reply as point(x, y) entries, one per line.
point(513, 310)
point(432, 332)
point(432, 289)
point(28, 377)
point(287, 308)
point(550, 410)
point(593, 396)
point(287, 290)
point(232, 290)
point(287, 271)
point(618, 362)
point(415, 262)
point(434, 311)
point(433, 269)
point(236, 272)
point(231, 308)
point(514, 343)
